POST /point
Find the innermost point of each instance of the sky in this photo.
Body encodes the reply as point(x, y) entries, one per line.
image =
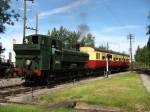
point(110, 21)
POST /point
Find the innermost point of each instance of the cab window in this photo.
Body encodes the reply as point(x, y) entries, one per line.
point(35, 39)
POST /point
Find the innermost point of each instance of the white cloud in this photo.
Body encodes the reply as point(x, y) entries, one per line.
point(7, 43)
point(63, 9)
point(126, 27)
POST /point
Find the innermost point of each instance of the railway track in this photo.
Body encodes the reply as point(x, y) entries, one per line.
point(143, 70)
point(13, 91)
point(10, 82)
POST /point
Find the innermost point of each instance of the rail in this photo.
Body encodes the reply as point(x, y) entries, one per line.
point(142, 70)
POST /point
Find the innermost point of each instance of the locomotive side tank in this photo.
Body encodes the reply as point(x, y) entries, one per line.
point(41, 57)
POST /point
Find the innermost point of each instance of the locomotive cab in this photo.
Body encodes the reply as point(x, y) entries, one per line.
point(37, 55)
point(29, 55)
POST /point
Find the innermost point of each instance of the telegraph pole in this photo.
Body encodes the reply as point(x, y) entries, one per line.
point(25, 19)
point(130, 38)
point(36, 31)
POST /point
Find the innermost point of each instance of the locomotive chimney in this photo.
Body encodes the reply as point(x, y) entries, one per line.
point(10, 56)
point(77, 46)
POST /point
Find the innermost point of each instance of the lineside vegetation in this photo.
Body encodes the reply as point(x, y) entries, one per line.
point(21, 108)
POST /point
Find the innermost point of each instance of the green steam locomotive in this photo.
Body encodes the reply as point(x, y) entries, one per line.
point(42, 59)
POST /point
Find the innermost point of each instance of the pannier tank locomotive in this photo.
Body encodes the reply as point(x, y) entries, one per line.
point(42, 59)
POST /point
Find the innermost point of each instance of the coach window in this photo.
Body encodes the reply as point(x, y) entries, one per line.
point(103, 57)
point(97, 56)
point(109, 56)
point(127, 60)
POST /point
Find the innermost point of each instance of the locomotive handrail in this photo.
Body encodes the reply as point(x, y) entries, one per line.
point(27, 46)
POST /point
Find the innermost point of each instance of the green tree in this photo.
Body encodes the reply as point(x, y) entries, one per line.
point(148, 31)
point(148, 50)
point(137, 54)
point(7, 16)
point(148, 43)
point(102, 47)
point(142, 55)
point(69, 38)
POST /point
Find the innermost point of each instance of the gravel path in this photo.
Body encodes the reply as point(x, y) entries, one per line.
point(10, 82)
point(146, 81)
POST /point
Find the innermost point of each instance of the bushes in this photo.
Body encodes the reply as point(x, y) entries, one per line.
point(142, 56)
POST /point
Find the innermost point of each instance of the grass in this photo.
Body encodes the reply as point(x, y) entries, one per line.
point(124, 91)
point(30, 108)
point(21, 108)
point(63, 110)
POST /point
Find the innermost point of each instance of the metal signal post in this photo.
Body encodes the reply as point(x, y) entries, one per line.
point(107, 62)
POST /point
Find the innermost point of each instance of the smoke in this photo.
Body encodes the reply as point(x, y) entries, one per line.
point(82, 17)
point(83, 28)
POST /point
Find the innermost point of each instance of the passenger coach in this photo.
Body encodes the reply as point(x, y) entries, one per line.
point(97, 59)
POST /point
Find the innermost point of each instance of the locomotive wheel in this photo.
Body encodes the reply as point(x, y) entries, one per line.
point(50, 80)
